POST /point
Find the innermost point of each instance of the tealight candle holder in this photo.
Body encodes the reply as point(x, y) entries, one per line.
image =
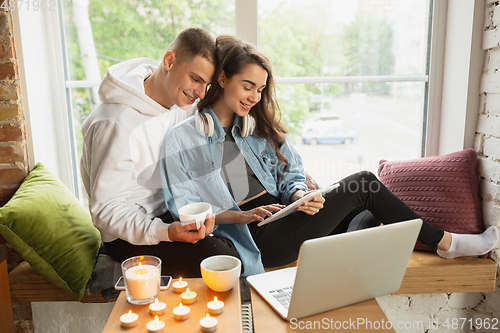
point(181, 312)
point(155, 326)
point(129, 319)
point(142, 279)
point(215, 307)
point(179, 286)
point(157, 308)
point(188, 297)
point(208, 324)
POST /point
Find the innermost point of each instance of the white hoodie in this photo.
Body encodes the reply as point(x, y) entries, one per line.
point(121, 146)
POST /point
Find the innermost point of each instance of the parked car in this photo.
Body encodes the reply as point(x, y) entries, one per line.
point(323, 120)
point(334, 135)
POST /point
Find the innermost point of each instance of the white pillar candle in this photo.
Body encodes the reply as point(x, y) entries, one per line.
point(129, 319)
point(181, 312)
point(188, 297)
point(155, 326)
point(179, 286)
point(142, 281)
point(157, 308)
point(208, 324)
point(215, 307)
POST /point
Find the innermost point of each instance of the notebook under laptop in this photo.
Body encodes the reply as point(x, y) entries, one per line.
point(340, 270)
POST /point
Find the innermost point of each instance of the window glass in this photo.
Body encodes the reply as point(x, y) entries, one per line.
point(101, 33)
point(340, 128)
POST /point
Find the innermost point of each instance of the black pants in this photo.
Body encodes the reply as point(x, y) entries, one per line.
point(178, 258)
point(279, 241)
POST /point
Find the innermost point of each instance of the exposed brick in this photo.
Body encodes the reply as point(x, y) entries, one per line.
point(491, 39)
point(492, 104)
point(493, 60)
point(6, 194)
point(488, 124)
point(489, 169)
point(12, 176)
point(490, 191)
point(9, 91)
point(492, 147)
point(8, 71)
point(12, 111)
point(478, 143)
point(5, 24)
point(10, 132)
point(7, 49)
point(491, 213)
point(490, 83)
point(9, 154)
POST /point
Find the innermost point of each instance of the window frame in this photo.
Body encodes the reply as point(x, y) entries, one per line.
point(48, 111)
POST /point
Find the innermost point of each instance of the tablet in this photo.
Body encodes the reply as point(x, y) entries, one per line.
point(292, 207)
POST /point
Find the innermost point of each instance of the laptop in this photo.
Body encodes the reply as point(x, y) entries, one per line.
point(340, 270)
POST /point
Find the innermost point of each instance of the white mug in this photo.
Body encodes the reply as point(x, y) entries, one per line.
point(220, 273)
point(195, 213)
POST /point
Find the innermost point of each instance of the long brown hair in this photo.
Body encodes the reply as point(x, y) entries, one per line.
point(232, 56)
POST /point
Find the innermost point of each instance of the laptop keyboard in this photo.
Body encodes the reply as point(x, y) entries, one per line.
point(282, 295)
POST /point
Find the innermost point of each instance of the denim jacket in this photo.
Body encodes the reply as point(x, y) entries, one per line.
point(190, 172)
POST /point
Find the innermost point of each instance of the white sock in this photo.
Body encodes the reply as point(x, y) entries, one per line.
point(471, 245)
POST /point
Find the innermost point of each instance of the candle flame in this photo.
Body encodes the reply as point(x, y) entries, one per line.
point(180, 304)
point(141, 271)
point(129, 312)
point(180, 279)
point(140, 265)
point(187, 290)
point(156, 300)
point(215, 299)
point(156, 319)
point(208, 316)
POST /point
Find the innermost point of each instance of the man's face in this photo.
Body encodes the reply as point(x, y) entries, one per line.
point(186, 81)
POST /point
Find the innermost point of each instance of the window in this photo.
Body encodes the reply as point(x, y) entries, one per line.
point(391, 94)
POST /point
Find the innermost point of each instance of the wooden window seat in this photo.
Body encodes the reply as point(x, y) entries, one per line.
point(428, 273)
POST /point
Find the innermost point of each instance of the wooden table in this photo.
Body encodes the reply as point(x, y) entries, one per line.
point(265, 319)
point(229, 319)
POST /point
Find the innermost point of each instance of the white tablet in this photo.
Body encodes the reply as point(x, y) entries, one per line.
point(291, 207)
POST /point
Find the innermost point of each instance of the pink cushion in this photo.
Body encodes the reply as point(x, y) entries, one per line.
point(443, 190)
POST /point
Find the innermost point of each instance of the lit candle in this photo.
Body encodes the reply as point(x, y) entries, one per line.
point(157, 308)
point(208, 324)
point(181, 312)
point(188, 297)
point(129, 319)
point(215, 307)
point(179, 286)
point(155, 326)
point(142, 281)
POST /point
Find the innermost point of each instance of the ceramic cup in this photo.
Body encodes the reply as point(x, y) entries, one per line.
point(194, 213)
point(220, 273)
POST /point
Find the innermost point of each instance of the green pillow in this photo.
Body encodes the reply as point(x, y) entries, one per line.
point(51, 230)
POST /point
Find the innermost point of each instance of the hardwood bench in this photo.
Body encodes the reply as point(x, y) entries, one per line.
point(428, 273)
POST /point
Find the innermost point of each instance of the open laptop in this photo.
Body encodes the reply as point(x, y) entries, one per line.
point(340, 270)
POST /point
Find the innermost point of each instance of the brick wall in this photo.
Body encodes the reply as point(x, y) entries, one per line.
point(13, 150)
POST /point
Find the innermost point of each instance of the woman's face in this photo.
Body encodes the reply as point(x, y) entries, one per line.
point(243, 90)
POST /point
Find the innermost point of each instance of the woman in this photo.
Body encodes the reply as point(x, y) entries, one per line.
point(235, 155)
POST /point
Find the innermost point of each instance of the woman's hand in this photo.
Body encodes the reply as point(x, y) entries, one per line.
point(310, 207)
point(188, 233)
point(259, 213)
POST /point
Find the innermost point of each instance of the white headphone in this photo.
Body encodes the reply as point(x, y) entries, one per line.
point(205, 125)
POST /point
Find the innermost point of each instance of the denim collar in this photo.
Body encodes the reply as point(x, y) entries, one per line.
point(219, 133)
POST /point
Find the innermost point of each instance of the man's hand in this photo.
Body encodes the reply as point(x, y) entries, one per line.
point(259, 213)
point(188, 233)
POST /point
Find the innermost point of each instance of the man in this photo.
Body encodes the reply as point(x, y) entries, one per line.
point(121, 143)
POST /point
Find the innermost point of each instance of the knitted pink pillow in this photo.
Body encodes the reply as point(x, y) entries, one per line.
point(443, 190)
